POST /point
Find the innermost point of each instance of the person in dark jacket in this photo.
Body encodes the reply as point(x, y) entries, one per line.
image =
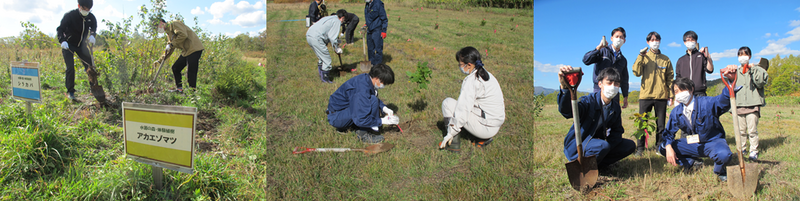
point(314, 12)
point(698, 116)
point(355, 104)
point(604, 56)
point(601, 121)
point(376, 30)
point(695, 64)
point(349, 26)
point(78, 27)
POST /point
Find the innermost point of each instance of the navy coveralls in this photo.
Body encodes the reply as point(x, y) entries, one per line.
point(376, 23)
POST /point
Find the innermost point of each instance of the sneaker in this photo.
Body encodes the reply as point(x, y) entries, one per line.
point(367, 137)
point(71, 95)
point(723, 178)
point(179, 90)
point(753, 156)
point(484, 143)
point(696, 164)
point(454, 146)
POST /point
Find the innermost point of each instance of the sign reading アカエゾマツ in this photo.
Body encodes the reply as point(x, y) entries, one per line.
point(25, 81)
point(159, 135)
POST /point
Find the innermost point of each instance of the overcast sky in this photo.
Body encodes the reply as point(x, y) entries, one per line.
point(230, 17)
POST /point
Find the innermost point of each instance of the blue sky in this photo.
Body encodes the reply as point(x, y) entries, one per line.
point(566, 30)
point(230, 17)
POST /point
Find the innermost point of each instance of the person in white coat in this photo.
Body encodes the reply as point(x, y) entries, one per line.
point(479, 108)
point(325, 31)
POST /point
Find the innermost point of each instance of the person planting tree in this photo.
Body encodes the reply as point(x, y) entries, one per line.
point(182, 37)
point(78, 27)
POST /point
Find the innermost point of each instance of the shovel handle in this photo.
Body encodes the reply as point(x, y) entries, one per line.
point(729, 85)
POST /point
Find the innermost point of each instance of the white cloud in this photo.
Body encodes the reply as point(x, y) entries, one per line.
point(767, 35)
point(674, 44)
point(45, 14)
point(794, 23)
point(547, 68)
point(107, 11)
point(716, 56)
point(779, 46)
point(244, 11)
point(197, 11)
point(251, 19)
point(216, 21)
point(798, 9)
point(234, 34)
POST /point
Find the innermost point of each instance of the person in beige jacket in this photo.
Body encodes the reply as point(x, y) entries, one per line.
point(656, 72)
point(182, 37)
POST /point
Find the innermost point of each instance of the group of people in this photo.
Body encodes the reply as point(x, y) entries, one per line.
point(695, 114)
point(325, 30)
point(78, 28)
point(355, 105)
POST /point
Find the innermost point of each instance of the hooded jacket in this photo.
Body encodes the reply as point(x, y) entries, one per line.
point(693, 66)
point(75, 28)
point(182, 37)
point(656, 72)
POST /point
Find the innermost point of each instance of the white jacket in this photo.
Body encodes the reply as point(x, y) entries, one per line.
point(482, 98)
point(327, 29)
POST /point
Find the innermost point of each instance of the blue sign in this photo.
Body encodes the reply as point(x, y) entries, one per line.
point(25, 81)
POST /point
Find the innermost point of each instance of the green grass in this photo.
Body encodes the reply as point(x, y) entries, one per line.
point(415, 169)
point(634, 179)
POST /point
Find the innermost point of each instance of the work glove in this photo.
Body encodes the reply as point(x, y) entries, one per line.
point(451, 133)
point(643, 51)
point(167, 48)
point(339, 50)
point(65, 45)
point(390, 120)
point(91, 39)
point(388, 111)
point(383, 35)
point(375, 128)
point(603, 43)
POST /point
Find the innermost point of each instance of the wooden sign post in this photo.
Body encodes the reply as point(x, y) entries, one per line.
point(161, 136)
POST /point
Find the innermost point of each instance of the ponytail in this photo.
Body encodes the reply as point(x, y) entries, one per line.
point(471, 55)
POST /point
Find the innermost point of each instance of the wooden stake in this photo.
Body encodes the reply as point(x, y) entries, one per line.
point(158, 176)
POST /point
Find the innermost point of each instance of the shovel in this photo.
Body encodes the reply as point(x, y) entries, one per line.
point(160, 63)
point(743, 185)
point(91, 73)
point(364, 65)
point(372, 149)
point(582, 172)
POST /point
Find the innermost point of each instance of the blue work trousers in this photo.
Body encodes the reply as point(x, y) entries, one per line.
point(716, 149)
point(608, 153)
point(375, 47)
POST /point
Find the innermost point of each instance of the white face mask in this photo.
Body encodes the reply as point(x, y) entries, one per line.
point(368, 1)
point(462, 69)
point(379, 86)
point(744, 60)
point(654, 45)
point(160, 30)
point(683, 97)
point(610, 91)
point(83, 12)
point(617, 42)
point(690, 45)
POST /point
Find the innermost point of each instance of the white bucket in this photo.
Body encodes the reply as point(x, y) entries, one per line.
point(308, 22)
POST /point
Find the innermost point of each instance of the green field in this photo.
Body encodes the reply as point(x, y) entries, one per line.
point(650, 177)
point(415, 169)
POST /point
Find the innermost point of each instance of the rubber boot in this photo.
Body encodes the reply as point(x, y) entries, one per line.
point(326, 77)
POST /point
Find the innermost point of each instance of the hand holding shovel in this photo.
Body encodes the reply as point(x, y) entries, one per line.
point(582, 172)
point(743, 179)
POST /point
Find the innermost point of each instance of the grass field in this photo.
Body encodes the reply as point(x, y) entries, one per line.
point(650, 177)
point(415, 169)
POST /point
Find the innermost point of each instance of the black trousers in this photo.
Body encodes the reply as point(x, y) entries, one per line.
point(192, 61)
point(660, 106)
point(351, 27)
point(69, 60)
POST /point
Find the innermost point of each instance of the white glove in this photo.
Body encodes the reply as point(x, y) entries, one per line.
point(65, 45)
point(341, 34)
point(388, 111)
point(390, 120)
point(375, 128)
point(447, 140)
point(167, 48)
point(91, 39)
point(338, 50)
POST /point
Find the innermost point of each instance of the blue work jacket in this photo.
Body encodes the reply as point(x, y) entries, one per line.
point(590, 109)
point(605, 58)
point(358, 94)
point(375, 16)
point(705, 119)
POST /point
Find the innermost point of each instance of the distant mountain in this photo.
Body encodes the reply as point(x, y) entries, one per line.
point(541, 90)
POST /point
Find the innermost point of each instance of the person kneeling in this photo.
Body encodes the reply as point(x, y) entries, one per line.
point(356, 105)
point(698, 117)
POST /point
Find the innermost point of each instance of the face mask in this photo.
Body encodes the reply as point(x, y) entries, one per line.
point(462, 69)
point(379, 86)
point(160, 30)
point(617, 42)
point(744, 59)
point(84, 13)
point(683, 97)
point(690, 45)
point(610, 91)
point(654, 45)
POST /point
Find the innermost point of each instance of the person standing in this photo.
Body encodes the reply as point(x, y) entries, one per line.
point(695, 64)
point(604, 56)
point(319, 35)
point(182, 37)
point(656, 72)
point(314, 12)
point(750, 99)
point(376, 30)
point(78, 27)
